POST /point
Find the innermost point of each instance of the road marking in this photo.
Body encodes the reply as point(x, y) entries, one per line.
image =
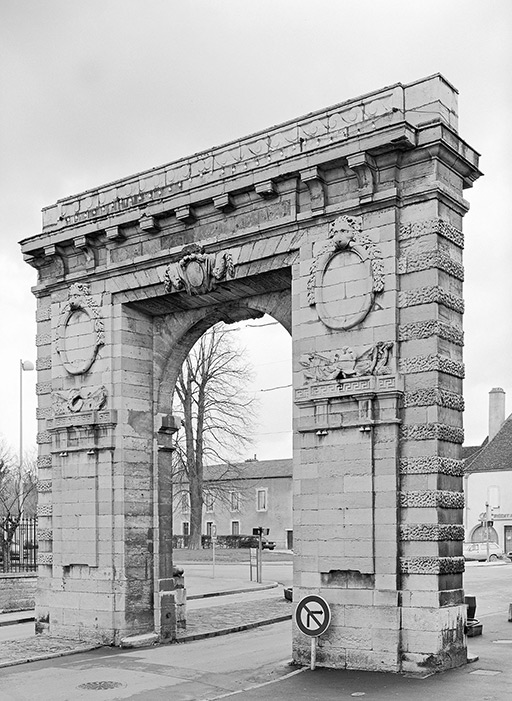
point(255, 686)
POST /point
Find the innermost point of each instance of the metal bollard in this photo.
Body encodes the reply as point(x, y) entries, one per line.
point(473, 626)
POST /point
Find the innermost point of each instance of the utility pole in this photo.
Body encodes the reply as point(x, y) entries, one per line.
point(25, 365)
point(487, 526)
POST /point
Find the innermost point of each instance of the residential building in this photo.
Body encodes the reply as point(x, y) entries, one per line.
point(247, 495)
point(488, 478)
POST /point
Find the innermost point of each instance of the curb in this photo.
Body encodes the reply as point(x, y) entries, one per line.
point(193, 597)
point(234, 629)
point(182, 639)
point(15, 621)
point(49, 656)
point(232, 591)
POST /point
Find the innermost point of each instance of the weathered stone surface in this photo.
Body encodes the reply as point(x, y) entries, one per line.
point(135, 641)
point(313, 223)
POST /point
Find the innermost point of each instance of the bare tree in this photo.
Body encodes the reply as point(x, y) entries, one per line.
point(18, 496)
point(218, 417)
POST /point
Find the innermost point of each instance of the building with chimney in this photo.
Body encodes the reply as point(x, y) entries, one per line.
point(488, 478)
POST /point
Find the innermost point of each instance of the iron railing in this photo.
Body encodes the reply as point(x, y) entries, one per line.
point(20, 554)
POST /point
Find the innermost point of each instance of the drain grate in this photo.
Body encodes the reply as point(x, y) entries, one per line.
point(98, 686)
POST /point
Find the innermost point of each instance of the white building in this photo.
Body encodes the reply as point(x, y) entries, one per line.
point(488, 478)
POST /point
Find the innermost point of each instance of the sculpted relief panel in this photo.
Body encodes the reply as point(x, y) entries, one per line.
point(338, 365)
point(77, 400)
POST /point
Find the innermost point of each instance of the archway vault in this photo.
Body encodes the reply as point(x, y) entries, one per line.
point(345, 226)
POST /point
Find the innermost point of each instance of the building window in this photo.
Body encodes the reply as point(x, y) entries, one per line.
point(235, 527)
point(234, 498)
point(210, 528)
point(261, 499)
point(493, 496)
point(185, 503)
point(185, 528)
point(209, 501)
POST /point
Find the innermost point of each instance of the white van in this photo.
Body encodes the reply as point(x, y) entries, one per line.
point(478, 551)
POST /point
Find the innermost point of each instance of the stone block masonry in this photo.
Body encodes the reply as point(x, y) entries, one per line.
point(345, 226)
point(17, 591)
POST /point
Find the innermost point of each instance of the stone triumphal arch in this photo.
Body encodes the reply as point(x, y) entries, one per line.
point(345, 226)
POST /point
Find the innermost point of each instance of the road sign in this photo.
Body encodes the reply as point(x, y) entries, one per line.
point(313, 615)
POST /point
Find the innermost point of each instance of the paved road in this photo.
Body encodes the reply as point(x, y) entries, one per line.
point(17, 632)
point(254, 665)
point(205, 669)
point(492, 586)
point(281, 572)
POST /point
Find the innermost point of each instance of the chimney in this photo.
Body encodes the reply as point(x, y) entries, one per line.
point(496, 411)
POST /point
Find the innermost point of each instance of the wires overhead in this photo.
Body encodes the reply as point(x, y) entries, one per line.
point(271, 389)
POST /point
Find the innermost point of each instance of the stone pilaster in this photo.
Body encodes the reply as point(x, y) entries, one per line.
point(431, 534)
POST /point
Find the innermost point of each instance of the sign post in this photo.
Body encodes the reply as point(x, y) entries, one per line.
point(214, 542)
point(253, 562)
point(260, 531)
point(313, 617)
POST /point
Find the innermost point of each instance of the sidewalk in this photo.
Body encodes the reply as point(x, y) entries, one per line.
point(9, 619)
point(212, 612)
point(488, 678)
point(204, 622)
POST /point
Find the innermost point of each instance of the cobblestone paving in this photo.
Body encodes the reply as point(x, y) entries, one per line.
point(242, 615)
point(38, 647)
point(200, 623)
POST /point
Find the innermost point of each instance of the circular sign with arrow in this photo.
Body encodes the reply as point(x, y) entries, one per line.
point(313, 615)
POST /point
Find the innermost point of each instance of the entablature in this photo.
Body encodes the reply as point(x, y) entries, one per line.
point(210, 189)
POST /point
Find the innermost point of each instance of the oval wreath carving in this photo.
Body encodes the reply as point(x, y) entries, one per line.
point(345, 276)
point(80, 331)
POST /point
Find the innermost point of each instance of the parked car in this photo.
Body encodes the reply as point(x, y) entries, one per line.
point(478, 551)
point(251, 541)
point(14, 553)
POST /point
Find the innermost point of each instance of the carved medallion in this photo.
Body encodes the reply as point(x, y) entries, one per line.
point(197, 272)
point(345, 276)
point(80, 331)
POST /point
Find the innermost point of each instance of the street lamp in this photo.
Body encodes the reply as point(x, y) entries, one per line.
point(25, 365)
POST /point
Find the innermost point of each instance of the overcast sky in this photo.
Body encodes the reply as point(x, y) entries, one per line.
point(96, 90)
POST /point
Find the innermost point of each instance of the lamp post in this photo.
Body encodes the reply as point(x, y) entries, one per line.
point(25, 365)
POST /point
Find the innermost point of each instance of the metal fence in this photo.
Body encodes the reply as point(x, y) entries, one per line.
point(21, 554)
